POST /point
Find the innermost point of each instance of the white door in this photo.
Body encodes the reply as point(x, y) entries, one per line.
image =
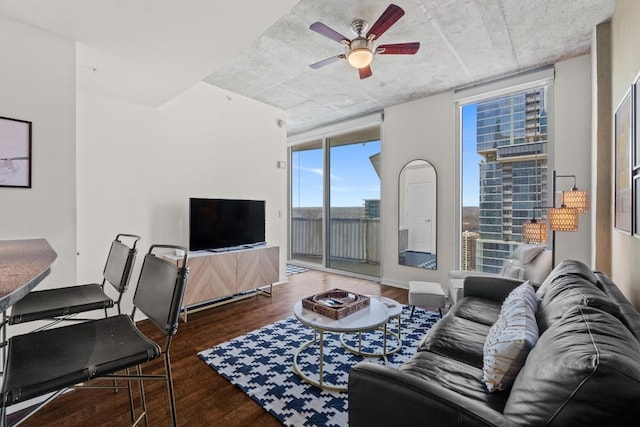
point(419, 215)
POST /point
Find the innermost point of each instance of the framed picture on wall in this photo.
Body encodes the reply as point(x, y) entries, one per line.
point(623, 138)
point(15, 153)
point(636, 206)
point(635, 157)
point(636, 116)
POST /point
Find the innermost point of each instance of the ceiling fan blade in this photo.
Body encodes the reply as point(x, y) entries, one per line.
point(386, 20)
point(365, 72)
point(398, 49)
point(320, 28)
point(327, 61)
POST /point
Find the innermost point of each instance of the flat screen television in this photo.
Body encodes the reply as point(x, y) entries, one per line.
point(218, 224)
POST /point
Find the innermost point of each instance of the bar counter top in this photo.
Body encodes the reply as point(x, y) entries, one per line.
point(23, 264)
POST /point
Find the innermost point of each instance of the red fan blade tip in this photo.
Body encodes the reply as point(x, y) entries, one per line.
point(365, 72)
point(389, 17)
point(398, 49)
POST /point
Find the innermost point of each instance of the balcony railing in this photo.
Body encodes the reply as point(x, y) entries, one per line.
point(355, 239)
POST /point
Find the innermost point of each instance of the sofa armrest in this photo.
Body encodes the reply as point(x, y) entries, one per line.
point(381, 395)
point(493, 288)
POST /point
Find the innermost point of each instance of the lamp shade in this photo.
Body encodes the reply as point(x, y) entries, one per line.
point(534, 232)
point(578, 199)
point(563, 219)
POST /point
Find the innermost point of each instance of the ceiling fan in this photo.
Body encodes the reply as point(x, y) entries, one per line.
point(359, 51)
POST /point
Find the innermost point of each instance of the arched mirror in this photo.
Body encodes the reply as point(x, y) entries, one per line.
point(417, 208)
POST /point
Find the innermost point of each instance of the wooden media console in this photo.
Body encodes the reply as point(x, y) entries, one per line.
point(217, 278)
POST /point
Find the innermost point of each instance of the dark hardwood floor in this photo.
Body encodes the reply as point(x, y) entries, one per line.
point(203, 398)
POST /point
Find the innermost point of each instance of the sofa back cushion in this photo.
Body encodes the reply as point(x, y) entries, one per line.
point(584, 370)
point(568, 268)
point(629, 315)
point(565, 291)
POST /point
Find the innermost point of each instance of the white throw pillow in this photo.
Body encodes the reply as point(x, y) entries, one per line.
point(510, 339)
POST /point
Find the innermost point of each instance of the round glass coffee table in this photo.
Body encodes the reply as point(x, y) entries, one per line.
point(370, 318)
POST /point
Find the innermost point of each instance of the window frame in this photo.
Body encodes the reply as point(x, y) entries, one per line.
point(483, 92)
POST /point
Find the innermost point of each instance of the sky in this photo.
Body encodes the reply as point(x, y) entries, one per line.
point(354, 179)
point(470, 157)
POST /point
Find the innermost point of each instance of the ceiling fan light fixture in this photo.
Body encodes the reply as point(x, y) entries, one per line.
point(360, 58)
point(360, 52)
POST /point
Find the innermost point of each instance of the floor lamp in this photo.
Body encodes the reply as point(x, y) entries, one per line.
point(565, 217)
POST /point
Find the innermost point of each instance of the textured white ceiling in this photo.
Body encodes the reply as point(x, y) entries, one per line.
point(462, 42)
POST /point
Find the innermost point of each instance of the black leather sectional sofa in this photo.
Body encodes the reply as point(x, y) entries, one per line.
point(583, 370)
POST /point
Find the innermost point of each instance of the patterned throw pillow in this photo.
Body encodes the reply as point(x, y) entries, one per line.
point(510, 339)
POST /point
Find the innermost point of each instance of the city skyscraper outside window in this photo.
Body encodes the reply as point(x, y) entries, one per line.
point(504, 168)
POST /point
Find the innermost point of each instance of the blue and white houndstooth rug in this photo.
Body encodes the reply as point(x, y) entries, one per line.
point(260, 363)
point(294, 269)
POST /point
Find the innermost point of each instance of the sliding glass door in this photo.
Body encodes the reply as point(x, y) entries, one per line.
point(307, 183)
point(335, 202)
point(353, 234)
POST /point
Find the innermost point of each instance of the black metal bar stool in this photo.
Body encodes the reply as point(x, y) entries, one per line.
point(55, 359)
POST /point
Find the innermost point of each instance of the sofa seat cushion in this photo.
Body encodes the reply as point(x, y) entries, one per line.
point(456, 376)
point(479, 310)
point(585, 370)
point(565, 292)
point(457, 338)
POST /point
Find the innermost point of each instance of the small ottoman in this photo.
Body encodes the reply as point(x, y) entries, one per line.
point(426, 294)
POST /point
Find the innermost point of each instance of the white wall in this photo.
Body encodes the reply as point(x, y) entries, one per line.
point(572, 148)
point(426, 129)
point(214, 143)
point(113, 167)
point(137, 167)
point(423, 129)
point(625, 33)
point(37, 84)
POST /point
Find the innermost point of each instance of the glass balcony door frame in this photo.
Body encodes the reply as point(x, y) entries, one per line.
point(324, 134)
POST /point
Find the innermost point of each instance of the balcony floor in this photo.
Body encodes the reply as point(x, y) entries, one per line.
point(352, 266)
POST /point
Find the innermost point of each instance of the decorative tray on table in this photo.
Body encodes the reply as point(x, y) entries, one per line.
point(336, 303)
